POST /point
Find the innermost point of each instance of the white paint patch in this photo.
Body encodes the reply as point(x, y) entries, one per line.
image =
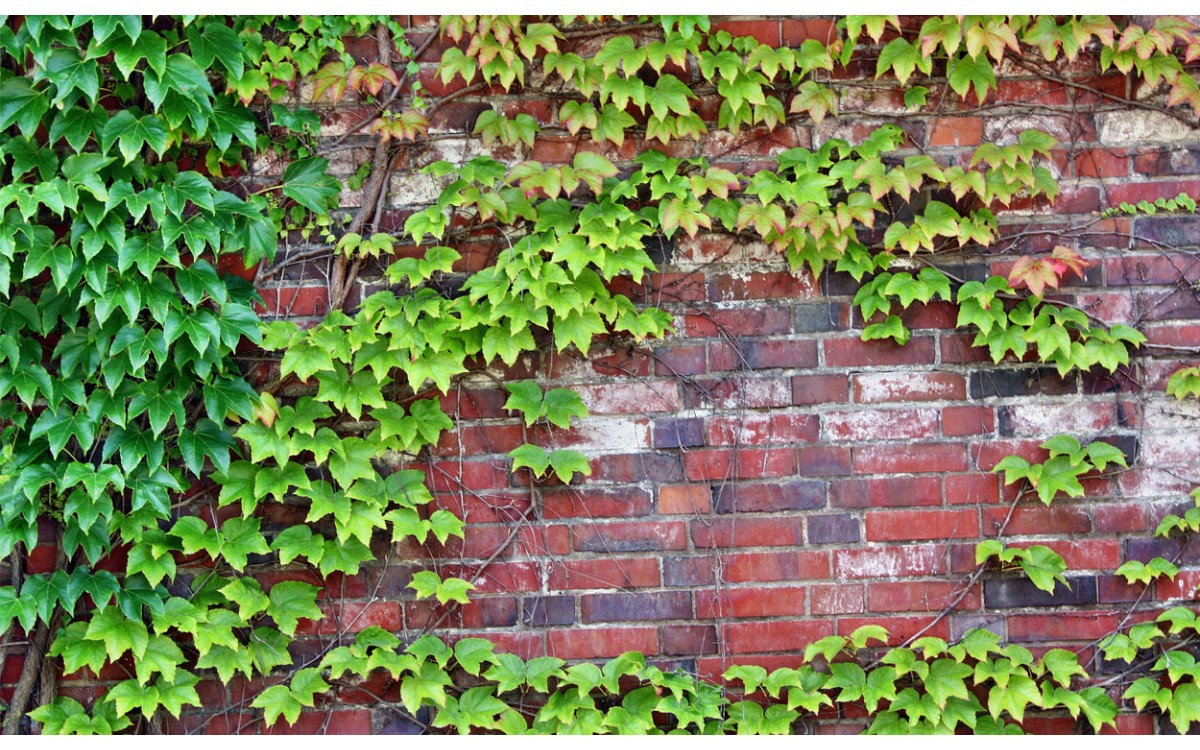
point(1122, 128)
point(1052, 419)
point(612, 435)
point(889, 562)
point(1167, 415)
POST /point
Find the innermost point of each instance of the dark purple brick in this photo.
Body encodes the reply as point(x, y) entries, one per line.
point(688, 571)
point(689, 640)
point(1024, 382)
point(666, 605)
point(759, 497)
point(678, 433)
point(838, 527)
point(542, 611)
point(1009, 593)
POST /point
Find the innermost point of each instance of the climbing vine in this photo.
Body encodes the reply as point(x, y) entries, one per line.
point(144, 159)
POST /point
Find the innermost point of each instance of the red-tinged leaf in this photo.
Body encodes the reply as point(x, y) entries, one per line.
point(371, 78)
point(332, 78)
point(1036, 275)
point(1069, 260)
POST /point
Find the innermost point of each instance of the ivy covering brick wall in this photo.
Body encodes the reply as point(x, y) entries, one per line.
point(725, 341)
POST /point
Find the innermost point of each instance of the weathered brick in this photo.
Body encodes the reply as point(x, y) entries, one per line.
point(890, 562)
point(759, 497)
point(912, 458)
point(836, 599)
point(630, 537)
point(908, 387)
point(879, 424)
point(777, 428)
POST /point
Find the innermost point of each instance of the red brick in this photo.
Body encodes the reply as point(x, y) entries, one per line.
point(1102, 162)
point(808, 390)
point(972, 489)
point(595, 502)
point(1061, 626)
point(853, 352)
point(890, 562)
point(880, 424)
point(687, 499)
point(956, 131)
point(920, 596)
point(795, 31)
point(1029, 518)
point(759, 567)
point(899, 628)
point(291, 301)
point(773, 635)
point(765, 31)
point(1133, 192)
point(836, 599)
point(739, 463)
point(748, 532)
point(605, 574)
point(887, 492)
point(912, 458)
point(960, 349)
point(751, 602)
point(900, 525)
point(968, 420)
point(604, 642)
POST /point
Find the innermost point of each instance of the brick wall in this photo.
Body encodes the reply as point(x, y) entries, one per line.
point(764, 478)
